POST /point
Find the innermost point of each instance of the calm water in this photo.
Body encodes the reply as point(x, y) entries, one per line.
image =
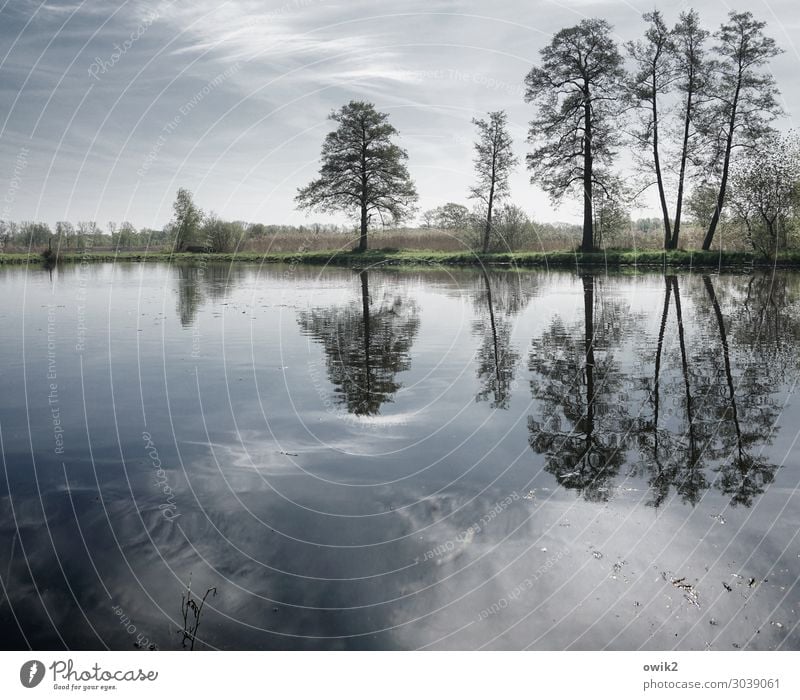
point(440, 459)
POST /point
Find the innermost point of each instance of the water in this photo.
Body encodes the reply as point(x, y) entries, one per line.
point(438, 459)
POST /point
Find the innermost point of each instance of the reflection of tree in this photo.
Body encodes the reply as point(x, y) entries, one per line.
point(366, 345)
point(578, 384)
point(190, 295)
point(676, 456)
point(715, 419)
point(743, 424)
point(769, 331)
point(500, 298)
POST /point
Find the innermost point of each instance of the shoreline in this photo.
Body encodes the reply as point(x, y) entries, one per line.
point(681, 259)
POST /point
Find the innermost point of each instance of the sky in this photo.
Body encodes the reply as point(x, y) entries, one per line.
point(106, 108)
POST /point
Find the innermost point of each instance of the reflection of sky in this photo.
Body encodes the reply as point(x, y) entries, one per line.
point(311, 522)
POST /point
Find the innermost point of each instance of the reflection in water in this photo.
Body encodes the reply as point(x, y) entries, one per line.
point(501, 297)
point(578, 382)
point(716, 426)
point(656, 402)
point(674, 446)
point(744, 423)
point(366, 344)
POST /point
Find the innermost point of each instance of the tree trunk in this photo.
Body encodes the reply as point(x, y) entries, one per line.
point(587, 245)
point(723, 336)
point(685, 365)
point(725, 167)
point(588, 323)
point(659, 346)
point(364, 275)
point(682, 175)
point(362, 241)
point(659, 178)
point(488, 228)
point(493, 324)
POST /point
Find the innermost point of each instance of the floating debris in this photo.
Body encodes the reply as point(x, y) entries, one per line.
point(688, 589)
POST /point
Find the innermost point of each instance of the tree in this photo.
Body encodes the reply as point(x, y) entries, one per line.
point(450, 216)
point(653, 77)
point(363, 172)
point(34, 233)
point(494, 161)
point(87, 232)
point(512, 226)
point(126, 234)
point(745, 97)
point(222, 236)
point(612, 218)
point(65, 232)
point(575, 89)
point(692, 72)
point(186, 219)
point(766, 191)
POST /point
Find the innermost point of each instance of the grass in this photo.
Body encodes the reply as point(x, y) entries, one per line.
point(555, 259)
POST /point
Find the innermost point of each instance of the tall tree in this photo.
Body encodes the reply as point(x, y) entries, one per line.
point(745, 96)
point(363, 172)
point(692, 69)
point(653, 77)
point(186, 218)
point(576, 89)
point(494, 161)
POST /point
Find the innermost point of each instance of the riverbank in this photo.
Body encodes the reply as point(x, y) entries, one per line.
point(684, 259)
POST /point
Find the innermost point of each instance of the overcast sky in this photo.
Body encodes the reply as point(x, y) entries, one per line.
point(230, 99)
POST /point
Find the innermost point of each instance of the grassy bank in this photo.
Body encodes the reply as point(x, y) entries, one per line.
point(559, 259)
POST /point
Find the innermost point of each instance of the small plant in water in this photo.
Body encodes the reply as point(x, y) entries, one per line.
point(191, 609)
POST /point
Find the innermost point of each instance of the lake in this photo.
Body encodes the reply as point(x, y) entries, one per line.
point(385, 459)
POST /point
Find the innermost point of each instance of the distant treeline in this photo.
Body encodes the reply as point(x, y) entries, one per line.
point(436, 232)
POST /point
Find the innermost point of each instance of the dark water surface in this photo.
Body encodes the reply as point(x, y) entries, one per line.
point(440, 459)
